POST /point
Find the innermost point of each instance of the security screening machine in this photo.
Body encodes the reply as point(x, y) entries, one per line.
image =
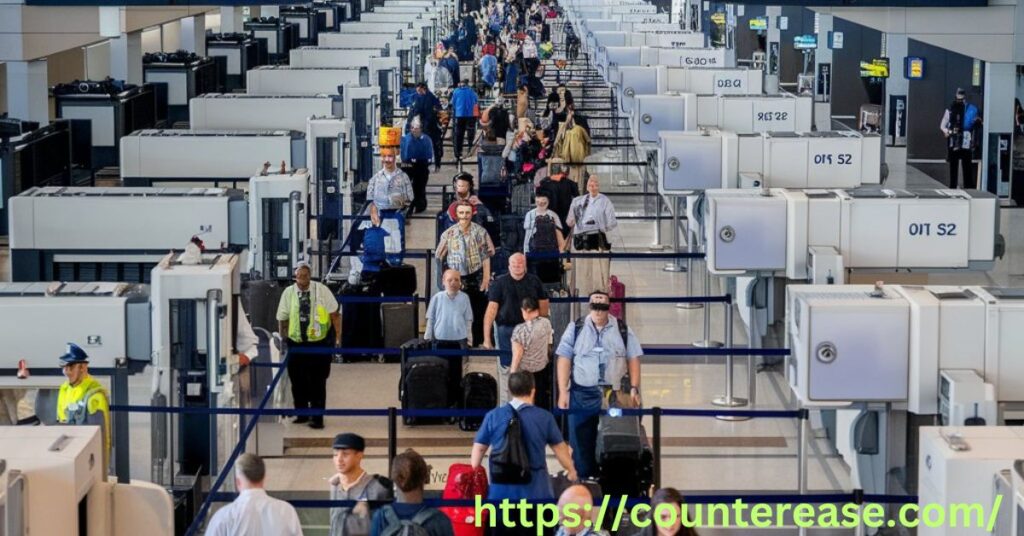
point(746, 114)
point(31, 155)
point(310, 21)
point(280, 204)
point(110, 321)
point(655, 113)
point(241, 52)
point(709, 158)
point(280, 36)
point(335, 57)
point(113, 110)
point(287, 80)
point(239, 111)
point(54, 484)
point(970, 466)
point(925, 347)
point(117, 234)
point(193, 319)
point(180, 76)
point(216, 156)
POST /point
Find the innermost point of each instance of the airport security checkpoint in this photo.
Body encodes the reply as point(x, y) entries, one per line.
point(488, 267)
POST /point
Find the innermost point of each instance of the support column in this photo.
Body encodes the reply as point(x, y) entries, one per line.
point(126, 58)
point(774, 52)
point(1000, 87)
point(193, 34)
point(231, 19)
point(897, 89)
point(823, 73)
point(27, 91)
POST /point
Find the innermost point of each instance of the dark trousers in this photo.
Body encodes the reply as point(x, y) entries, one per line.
point(437, 138)
point(547, 270)
point(463, 126)
point(454, 370)
point(963, 157)
point(419, 174)
point(308, 374)
point(542, 380)
point(583, 428)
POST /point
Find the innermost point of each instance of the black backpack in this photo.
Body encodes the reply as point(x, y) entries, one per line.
point(545, 235)
point(510, 464)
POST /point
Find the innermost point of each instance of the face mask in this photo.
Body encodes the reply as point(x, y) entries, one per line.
point(600, 306)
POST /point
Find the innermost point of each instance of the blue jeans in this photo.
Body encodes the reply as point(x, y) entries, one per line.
point(583, 428)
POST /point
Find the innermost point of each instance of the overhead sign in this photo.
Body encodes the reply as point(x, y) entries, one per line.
point(914, 67)
point(758, 23)
point(876, 68)
point(806, 41)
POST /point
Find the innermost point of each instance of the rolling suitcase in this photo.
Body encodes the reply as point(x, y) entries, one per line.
point(522, 197)
point(560, 312)
point(512, 233)
point(400, 323)
point(617, 290)
point(624, 456)
point(479, 391)
point(489, 168)
point(560, 482)
point(361, 327)
point(423, 385)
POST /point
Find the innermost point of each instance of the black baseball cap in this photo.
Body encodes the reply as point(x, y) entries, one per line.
point(349, 441)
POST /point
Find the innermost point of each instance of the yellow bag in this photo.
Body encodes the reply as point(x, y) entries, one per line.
point(389, 137)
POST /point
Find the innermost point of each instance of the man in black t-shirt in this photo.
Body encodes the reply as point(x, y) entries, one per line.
point(505, 297)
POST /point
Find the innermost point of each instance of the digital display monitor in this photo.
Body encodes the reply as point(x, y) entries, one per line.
point(914, 68)
point(758, 23)
point(876, 68)
point(803, 42)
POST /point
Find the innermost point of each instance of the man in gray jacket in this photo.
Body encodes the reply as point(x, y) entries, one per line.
point(352, 483)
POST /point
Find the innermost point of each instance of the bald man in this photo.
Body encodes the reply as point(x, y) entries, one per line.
point(505, 298)
point(450, 326)
point(574, 513)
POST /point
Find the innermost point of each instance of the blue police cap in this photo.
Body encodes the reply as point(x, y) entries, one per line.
point(74, 354)
point(349, 441)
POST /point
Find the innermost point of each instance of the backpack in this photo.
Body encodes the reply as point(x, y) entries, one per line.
point(374, 253)
point(545, 237)
point(394, 526)
point(510, 464)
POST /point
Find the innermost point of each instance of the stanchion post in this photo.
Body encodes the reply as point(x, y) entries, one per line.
point(728, 400)
point(801, 452)
point(122, 441)
point(656, 245)
point(675, 266)
point(706, 342)
point(428, 291)
point(392, 436)
point(656, 444)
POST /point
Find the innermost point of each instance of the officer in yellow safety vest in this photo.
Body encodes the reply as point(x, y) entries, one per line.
point(82, 400)
point(308, 315)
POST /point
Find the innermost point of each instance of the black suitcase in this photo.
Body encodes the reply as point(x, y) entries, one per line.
point(624, 456)
point(489, 168)
point(560, 313)
point(400, 324)
point(479, 391)
point(512, 233)
point(423, 385)
point(397, 280)
point(560, 482)
point(361, 322)
point(522, 197)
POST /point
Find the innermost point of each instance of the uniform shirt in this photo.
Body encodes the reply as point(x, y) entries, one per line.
point(384, 187)
point(254, 513)
point(449, 318)
point(529, 222)
point(319, 295)
point(535, 336)
point(419, 149)
point(466, 252)
point(598, 356)
point(508, 293)
point(539, 431)
point(588, 214)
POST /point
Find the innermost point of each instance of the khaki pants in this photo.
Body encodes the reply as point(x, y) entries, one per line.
point(576, 173)
point(591, 274)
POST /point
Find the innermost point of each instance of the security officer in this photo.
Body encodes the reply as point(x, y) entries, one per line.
point(82, 400)
point(307, 315)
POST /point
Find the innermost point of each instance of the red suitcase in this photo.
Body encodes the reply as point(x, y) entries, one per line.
point(617, 290)
point(464, 483)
